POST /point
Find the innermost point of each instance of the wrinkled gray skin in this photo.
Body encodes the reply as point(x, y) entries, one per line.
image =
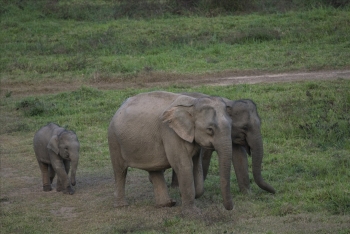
point(246, 138)
point(158, 130)
point(57, 150)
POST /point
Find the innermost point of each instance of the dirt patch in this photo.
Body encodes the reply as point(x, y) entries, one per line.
point(153, 79)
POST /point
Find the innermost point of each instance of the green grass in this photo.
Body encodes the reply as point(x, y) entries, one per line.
point(40, 46)
point(306, 137)
point(305, 125)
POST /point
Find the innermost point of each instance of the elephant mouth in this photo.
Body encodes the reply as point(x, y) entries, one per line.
point(67, 158)
point(208, 148)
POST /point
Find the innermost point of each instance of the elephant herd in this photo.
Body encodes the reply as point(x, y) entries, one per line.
point(159, 130)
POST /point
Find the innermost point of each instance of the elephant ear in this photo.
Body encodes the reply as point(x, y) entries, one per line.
point(53, 144)
point(179, 118)
point(229, 109)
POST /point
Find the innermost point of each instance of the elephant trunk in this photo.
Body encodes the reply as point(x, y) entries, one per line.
point(224, 151)
point(256, 147)
point(74, 166)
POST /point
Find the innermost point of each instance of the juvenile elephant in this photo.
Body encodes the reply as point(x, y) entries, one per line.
point(158, 130)
point(55, 149)
point(246, 138)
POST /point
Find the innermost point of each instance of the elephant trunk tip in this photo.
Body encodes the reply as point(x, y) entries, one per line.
point(262, 184)
point(271, 190)
point(265, 186)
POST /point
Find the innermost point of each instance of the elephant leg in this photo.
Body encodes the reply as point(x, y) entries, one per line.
point(240, 164)
point(120, 178)
point(52, 173)
point(63, 183)
point(120, 171)
point(45, 176)
point(198, 175)
point(66, 166)
point(206, 157)
point(59, 186)
point(160, 189)
point(187, 188)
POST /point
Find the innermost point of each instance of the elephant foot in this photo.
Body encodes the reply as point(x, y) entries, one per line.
point(68, 191)
point(170, 203)
point(47, 188)
point(246, 191)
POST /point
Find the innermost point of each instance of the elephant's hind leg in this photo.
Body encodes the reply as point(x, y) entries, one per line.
point(120, 178)
point(120, 170)
point(160, 189)
point(45, 176)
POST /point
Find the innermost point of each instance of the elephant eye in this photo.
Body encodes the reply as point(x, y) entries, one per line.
point(210, 131)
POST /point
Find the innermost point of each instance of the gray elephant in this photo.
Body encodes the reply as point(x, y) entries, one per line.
point(57, 149)
point(158, 130)
point(246, 138)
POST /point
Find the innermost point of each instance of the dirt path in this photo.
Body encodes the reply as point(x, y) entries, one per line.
point(163, 80)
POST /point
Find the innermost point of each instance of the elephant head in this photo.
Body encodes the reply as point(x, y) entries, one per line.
point(246, 132)
point(67, 146)
point(206, 122)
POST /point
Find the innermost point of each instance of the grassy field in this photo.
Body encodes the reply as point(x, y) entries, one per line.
point(47, 47)
point(306, 136)
point(305, 124)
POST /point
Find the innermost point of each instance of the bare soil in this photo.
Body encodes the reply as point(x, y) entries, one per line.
point(90, 209)
point(153, 79)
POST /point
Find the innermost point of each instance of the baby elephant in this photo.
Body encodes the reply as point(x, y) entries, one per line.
point(55, 149)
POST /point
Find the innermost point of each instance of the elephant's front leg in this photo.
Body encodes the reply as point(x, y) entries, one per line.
point(52, 173)
point(63, 183)
point(160, 189)
point(45, 176)
point(198, 175)
point(206, 157)
point(240, 164)
point(187, 188)
point(69, 189)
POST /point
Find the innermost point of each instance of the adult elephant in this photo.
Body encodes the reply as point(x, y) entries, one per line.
point(246, 138)
point(158, 130)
